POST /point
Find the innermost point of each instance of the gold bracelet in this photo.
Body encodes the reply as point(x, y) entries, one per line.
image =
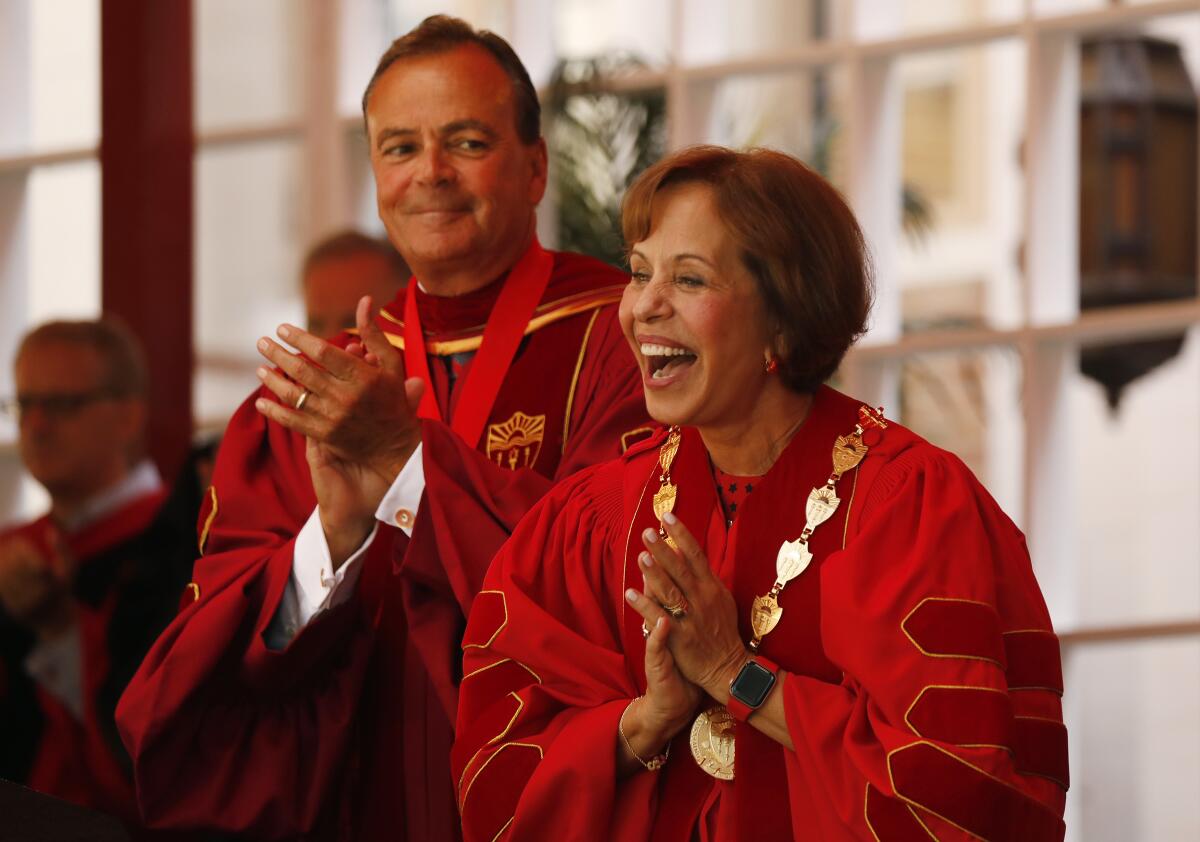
point(654, 763)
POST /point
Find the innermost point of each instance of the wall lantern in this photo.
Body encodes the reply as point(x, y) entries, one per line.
point(1137, 193)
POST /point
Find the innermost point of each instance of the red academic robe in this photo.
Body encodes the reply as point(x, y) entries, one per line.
point(125, 587)
point(346, 734)
point(924, 689)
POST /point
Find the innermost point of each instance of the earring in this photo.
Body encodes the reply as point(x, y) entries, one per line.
point(771, 366)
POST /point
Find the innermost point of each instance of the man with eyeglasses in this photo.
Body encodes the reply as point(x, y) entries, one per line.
point(85, 588)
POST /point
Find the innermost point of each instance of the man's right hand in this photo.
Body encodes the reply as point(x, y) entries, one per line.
point(360, 419)
point(31, 591)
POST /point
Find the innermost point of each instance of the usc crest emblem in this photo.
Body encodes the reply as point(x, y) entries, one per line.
point(517, 442)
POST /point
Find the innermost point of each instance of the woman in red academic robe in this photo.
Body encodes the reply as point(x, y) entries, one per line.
point(784, 616)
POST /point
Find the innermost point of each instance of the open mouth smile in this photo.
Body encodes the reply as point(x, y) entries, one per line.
point(664, 362)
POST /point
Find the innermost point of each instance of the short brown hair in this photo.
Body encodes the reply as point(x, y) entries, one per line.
point(351, 242)
point(125, 374)
point(442, 33)
point(797, 237)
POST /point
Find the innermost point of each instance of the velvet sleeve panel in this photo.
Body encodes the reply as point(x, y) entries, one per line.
point(948, 720)
point(545, 679)
point(225, 732)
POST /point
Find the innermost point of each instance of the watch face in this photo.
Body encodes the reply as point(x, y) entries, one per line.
point(753, 684)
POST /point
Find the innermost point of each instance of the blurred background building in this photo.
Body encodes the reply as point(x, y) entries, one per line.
point(1026, 172)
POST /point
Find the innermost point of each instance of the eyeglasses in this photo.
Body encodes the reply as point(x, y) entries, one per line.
point(55, 405)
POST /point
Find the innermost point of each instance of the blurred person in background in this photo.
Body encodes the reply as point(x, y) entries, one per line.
point(342, 268)
point(85, 588)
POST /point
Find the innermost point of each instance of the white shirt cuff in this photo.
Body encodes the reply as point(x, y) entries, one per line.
point(399, 506)
point(312, 588)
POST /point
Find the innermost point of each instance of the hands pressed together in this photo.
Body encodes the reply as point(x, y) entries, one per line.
point(358, 413)
point(697, 651)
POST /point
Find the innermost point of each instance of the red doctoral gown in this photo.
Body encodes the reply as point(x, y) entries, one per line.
point(346, 734)
point(924, 689)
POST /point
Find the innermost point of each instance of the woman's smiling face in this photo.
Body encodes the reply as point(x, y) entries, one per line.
point(693, 314)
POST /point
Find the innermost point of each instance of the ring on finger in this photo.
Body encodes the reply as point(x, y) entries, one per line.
point(299, 405)
point(677, 610)
point(645, 629)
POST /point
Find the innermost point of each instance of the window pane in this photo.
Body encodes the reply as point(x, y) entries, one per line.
point(959, 255)
point(586, 29)
point(64, 242)
point(248, 61)
point(248, 248)
point(967, 402)
point(883, 19)
point(1131, 712)
point(797, 113)
point(64, 50)
point(1136, 477)
point(720, 30)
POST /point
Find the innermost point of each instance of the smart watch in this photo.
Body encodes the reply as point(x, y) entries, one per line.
point(751, 686)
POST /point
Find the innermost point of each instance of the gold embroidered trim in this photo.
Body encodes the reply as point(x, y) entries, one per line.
point(867, 812)
point(927, 687)
point(446, 347)
point(499, 628)
point(1057, 691)
point(208, 521)
point(463, 803)
point(503, 733)
point(955, 757)
point(537, 677)
point(923, 651)
point(575, 379)
point(503, 828)
point(921, 822)
point(849, 507)
point(625, 436)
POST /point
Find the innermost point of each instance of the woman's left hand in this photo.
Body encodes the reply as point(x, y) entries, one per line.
point(703, 637)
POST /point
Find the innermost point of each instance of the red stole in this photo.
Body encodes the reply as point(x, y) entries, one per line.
point(744, 559)
point(506, 325)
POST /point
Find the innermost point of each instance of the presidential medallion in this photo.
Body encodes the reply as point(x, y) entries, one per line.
point(792, 560)
point(848, 451)
point(712, 742)
point(822, 503)
point(764, 616)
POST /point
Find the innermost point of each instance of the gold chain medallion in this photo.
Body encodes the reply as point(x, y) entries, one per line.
point(712, 736)
point(713, 742)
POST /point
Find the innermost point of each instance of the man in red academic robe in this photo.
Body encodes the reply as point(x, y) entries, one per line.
point(84, 589)
point(311, 688)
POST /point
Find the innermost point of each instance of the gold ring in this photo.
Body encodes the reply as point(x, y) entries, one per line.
point(677, 610)
point(645, 629)
point(300, 400)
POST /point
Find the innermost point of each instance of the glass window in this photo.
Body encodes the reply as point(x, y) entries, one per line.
point(249, 62)
point(248, 248)
point(959, 255)
point(586, 29)
point(798, 113)
point(1136, 477)
point(64, 242)
point(64, 73)
point(1134, 733)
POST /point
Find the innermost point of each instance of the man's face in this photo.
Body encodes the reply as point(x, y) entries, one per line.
point(75, 438)
point(332, 288)
point(455, 186)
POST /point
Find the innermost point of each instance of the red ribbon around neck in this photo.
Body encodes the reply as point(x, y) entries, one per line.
point(519, 297)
